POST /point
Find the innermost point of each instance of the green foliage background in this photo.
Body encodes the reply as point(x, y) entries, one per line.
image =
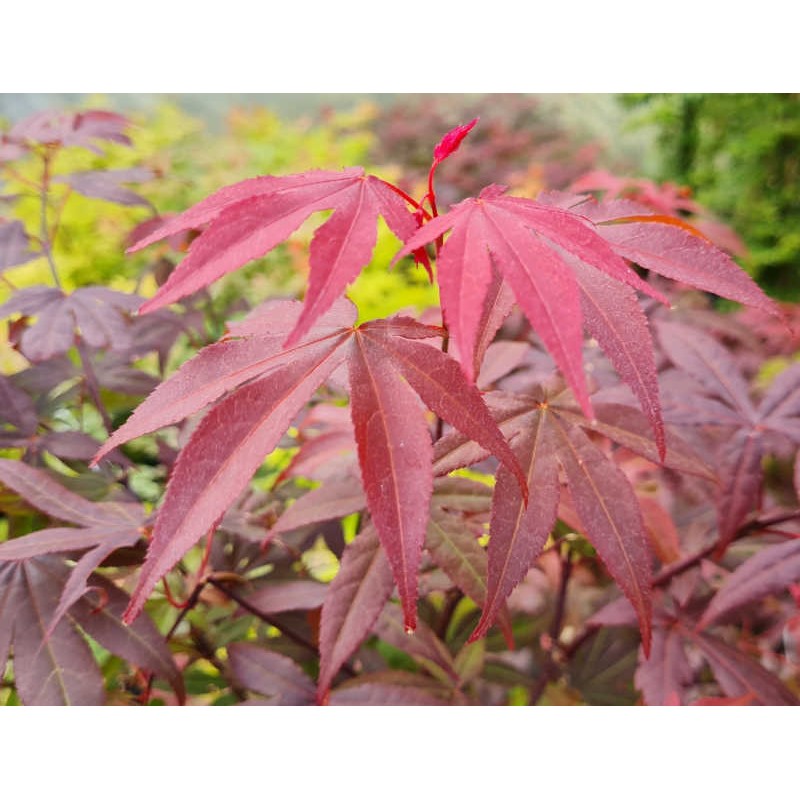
point(740, 154)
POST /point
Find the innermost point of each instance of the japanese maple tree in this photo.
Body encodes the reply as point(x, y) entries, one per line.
point(465, 450)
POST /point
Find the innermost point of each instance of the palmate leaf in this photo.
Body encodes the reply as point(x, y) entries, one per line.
point(57, 667)
point(664, 677)
point(566, 258)
point(739, 460)
point(103, 528)
point(71, 129)
point(247, 220)
point(524, 240)
point(391, 363)
point(545, 434)
point(109, 184)
point(96, 313)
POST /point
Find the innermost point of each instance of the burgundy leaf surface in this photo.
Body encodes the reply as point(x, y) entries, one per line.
point(279, 596)
point(390, 688)
point(607, 507)
point(667, 672)
point(708, 362)
point(739, 674)
point(99, 614)
point(273, 675)
point(668, 248)
point(356, 597)
point(333, 500)
point(212, 470)
point(53, 670)
point(517, 533)
point(395, 451)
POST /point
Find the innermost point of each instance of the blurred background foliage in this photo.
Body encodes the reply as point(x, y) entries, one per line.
point(738, 154)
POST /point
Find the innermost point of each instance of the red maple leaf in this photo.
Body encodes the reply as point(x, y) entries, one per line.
point(248, 219)
point(391, 366)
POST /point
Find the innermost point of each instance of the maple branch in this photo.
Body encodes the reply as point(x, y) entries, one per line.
point(45, 240)
point(270, 620)
point(679, 567)
point(59, 212)
point(191, 602)
point(756, 525)
point(431, 196)
point(206, 649)
point(552, 667)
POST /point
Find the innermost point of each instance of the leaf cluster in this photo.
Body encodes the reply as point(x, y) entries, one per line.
point(475, 504)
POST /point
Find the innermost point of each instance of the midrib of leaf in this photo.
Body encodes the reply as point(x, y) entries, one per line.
point(256, 428)
point(531, 282)
point(382, 416)
point(353, 222)
point(617, 533)
point(522, 508)
point(719, 655)
point(283, 355)
point(653, 412)
point(298, 205)
point(349, 179)
point(446, 392)
point(746, 411)
point(54, 499)
point(360, 588)
point(56, 670)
